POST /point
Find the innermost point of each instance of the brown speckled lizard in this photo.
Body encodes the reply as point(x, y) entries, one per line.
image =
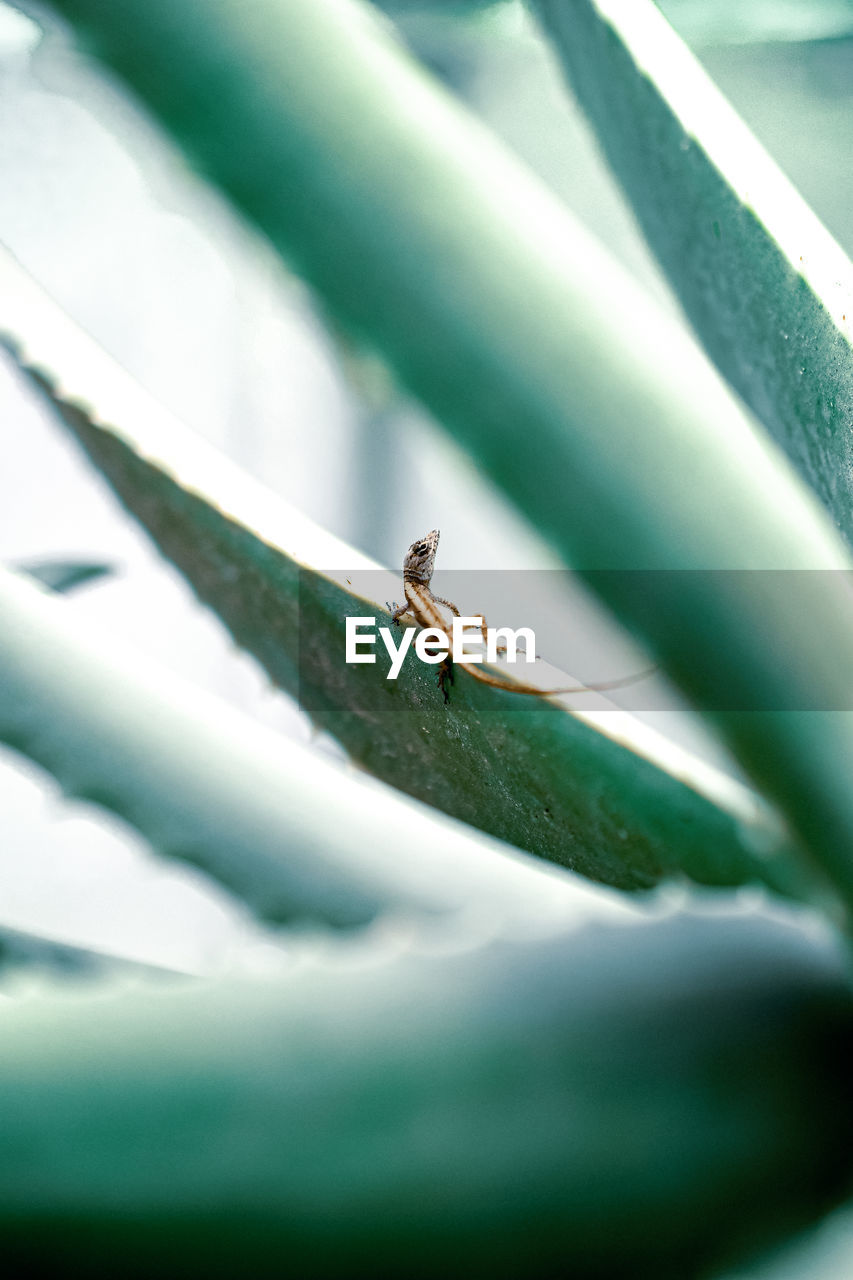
point(423, 606)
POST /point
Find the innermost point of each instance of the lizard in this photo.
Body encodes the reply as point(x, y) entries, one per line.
point(423, 605)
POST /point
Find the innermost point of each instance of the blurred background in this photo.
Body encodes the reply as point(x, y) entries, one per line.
point(104, 215)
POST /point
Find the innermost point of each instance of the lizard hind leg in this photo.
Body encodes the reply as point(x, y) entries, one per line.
point(484, 631)
point(500, 651)
point(448, 604)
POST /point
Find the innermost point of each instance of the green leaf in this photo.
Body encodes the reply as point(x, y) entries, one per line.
point(613, 806)
point(441, 8)
point(721, 22)
point(592, 409)
point(650, 1100)
point(293, 836)
point(767, 289)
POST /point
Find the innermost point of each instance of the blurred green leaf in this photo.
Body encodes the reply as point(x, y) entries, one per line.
point(589, 406)
point(648, 1100)
point(759, 21)
point(699, 21)
point(294, 837)
point(767, 289)
point(454, 8)
point(63, 575)
point(529, 772)
point(822, 1253)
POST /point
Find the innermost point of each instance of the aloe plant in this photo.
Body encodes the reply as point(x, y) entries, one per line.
point(457, 1074)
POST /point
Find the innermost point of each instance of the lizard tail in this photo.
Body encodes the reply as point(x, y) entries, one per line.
point(534, 691)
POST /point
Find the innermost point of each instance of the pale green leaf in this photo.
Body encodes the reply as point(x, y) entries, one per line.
point(296, 838)
point(765, 286)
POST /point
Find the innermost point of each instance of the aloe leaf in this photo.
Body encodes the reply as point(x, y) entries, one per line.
point(765, 286)
point(442, 8)
point(294, 837)
point(720, 22)
point(672, 1094)
point(597, 794)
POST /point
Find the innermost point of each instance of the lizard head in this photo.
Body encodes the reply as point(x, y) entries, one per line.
point(420, 558)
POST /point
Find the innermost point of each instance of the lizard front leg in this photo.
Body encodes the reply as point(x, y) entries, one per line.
point(397, 611)
point(445, 677)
